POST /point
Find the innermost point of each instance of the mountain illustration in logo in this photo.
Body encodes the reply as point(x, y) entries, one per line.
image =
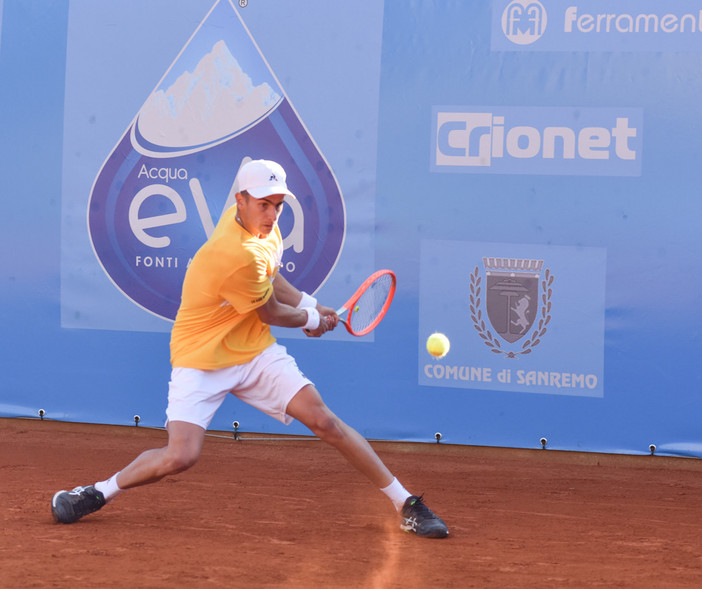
point(218, 99)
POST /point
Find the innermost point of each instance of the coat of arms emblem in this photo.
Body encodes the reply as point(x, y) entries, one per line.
point(517, 301)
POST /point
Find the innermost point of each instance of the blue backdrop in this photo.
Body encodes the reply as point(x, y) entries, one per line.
point(528, 169)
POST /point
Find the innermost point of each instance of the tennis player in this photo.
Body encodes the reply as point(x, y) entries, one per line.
point(221, 343)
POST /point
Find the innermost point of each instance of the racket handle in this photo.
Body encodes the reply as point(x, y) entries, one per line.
point(322, 318)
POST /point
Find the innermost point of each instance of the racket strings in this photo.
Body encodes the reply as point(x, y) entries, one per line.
point(370, 304)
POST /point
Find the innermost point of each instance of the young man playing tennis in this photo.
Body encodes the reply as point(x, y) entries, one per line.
point(221, 343)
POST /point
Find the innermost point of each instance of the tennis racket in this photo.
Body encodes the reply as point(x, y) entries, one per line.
point(368, 305)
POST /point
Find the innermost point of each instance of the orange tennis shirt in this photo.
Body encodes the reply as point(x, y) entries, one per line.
point(228, 278)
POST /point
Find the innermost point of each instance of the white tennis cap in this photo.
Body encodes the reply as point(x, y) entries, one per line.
point(261, 178)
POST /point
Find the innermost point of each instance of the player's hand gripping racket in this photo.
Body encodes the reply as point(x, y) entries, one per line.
point(368, 305)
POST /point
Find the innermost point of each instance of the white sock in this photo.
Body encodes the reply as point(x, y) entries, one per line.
point(109, 488)
point(396, 493)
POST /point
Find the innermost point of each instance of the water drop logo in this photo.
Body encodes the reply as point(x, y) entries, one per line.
point(524, 21)
point(162, 189)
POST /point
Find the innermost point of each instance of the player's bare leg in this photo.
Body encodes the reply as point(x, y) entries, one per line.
point(184, 446)
point(308, 408)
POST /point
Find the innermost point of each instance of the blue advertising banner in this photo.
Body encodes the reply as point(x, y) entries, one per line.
point(528, 168)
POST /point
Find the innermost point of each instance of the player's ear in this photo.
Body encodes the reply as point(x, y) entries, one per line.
point(241, 197)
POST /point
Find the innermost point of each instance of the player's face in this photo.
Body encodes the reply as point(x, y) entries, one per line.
point(259, 215)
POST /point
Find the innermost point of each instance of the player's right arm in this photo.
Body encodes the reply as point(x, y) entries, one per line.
point(288, 294)
point(273, 312)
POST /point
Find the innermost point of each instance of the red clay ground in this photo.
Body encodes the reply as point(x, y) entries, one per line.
point(257, 513)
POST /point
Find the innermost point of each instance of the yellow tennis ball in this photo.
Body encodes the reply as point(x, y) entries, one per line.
point(438, 345)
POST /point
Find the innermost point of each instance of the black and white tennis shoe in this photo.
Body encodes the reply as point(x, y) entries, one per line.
point(69, 506)
point(418, 518)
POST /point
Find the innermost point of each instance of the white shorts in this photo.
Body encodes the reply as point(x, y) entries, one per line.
point(267, 383)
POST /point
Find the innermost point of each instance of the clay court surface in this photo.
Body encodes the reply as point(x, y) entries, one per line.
point(271, 513)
